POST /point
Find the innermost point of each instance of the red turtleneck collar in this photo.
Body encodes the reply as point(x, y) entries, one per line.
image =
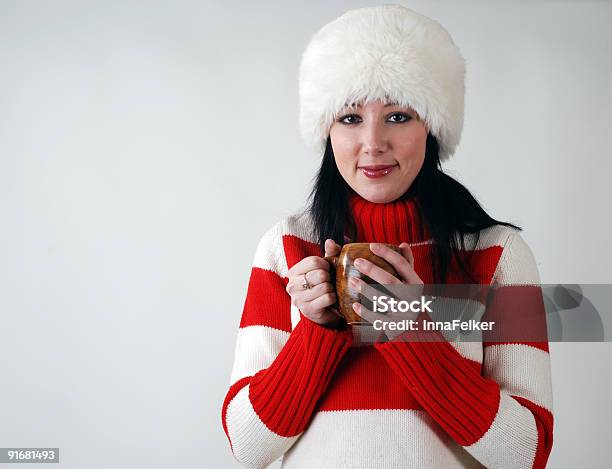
point(392, 222)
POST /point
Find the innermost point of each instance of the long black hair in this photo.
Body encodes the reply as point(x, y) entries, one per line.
point(449, 210)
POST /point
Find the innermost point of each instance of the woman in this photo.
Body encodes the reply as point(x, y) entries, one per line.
point(381, 96)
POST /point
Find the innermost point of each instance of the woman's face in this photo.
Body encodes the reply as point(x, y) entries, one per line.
point(379, 149)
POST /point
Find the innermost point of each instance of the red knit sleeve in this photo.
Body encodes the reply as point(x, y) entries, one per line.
point(279, 373)
point(284, 394)
point(446, 384)
point(500, 412)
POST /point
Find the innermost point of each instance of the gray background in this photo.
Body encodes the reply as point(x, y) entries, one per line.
point(146, 146)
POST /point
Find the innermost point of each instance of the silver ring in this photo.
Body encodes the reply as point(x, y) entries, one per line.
point(306, 285)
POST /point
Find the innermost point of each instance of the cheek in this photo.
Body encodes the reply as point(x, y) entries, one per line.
point(340, 137)
point(345, 165)
point(411, 149)
point(345, 150)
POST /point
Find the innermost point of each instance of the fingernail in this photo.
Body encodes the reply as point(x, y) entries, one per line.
point(355, 283)
point(359, 262)
point(356, 307)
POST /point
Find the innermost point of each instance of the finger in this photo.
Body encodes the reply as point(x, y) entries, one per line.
point(304, 296)
point(407, 253)
point(313, 277)
point(402, 262)
point(366, 290)
point(322, 301)
point(331, 248)
point(396, 292)
point(374, 272)
point(406, 291)
point(307, 264)
point(368, 315)
point(372, 317)
point(411, 275)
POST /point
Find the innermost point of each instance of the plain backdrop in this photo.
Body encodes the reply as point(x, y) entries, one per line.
point(145, 147)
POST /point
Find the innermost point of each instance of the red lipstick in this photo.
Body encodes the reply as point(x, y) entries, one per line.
point(378, 170)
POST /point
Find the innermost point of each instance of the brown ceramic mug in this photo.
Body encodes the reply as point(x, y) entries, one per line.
point(343, 268)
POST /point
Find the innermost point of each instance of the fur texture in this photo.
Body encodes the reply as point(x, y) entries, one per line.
point(386, 52)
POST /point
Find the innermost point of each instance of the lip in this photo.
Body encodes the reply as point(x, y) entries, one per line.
point(377, 171)
point(377, 167)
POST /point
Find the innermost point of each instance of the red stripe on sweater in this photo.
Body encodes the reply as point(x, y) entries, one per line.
point(267, 302)
point(297, 249)
point(481, 262)
point(519, 315)
point(364, 381)
point(233, 390)
point(544, 422)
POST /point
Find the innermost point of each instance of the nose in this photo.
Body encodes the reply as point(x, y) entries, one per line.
point(373, 139)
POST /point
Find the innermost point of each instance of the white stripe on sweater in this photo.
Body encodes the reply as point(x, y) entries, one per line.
point(517, 266)
point(502, 445)
point(270, 254)
point(521, 370)
point(389, 438)
point(256, 349)
point(253, 444)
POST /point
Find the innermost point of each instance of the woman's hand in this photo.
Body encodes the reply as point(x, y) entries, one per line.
point(404, 266)
point(315, 302)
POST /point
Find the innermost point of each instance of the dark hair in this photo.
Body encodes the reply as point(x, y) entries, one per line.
point(449, 210)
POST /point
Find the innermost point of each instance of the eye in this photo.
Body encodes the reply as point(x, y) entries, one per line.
point(348, 119)
point(401, 117)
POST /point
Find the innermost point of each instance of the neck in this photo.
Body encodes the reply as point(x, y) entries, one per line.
point(392, 222)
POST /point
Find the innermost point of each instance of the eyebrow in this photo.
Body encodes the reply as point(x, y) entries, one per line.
point(386, 105)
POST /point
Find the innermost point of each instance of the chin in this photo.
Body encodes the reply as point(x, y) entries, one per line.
point(378, 195)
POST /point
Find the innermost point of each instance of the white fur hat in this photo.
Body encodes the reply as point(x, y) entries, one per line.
point(386, 52)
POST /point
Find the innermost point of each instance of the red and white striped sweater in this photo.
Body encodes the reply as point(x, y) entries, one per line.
point(323, 398)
